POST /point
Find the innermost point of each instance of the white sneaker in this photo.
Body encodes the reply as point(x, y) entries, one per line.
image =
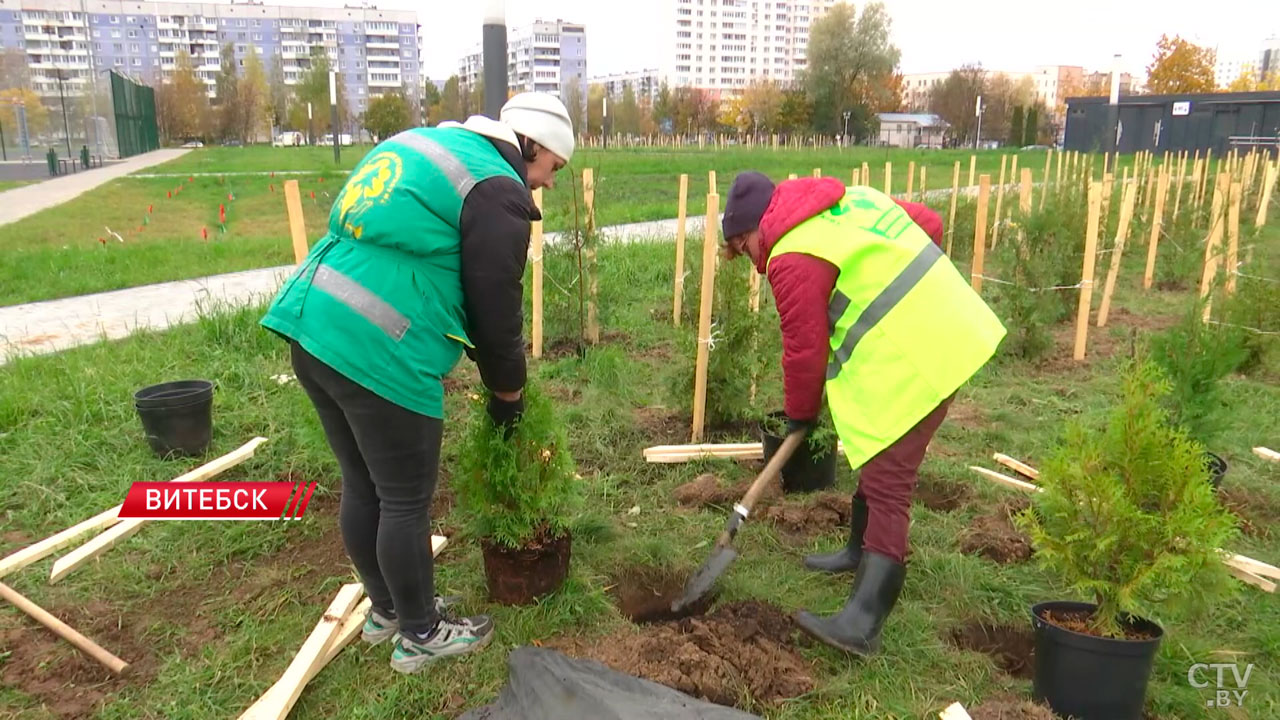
point(378, 627)
point(452, 636)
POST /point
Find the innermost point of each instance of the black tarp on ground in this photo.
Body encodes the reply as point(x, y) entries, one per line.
point(546, 685)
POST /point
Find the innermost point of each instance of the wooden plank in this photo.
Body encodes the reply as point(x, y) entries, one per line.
point(1005, 480)
point(1117, 251)
point(710, 236)
point(1017, 466)
point(680, 231)
point(1157, 226)
point(297, 221)
point(52, 544)
point(1257, 567)
point(125, 529)
point(980, 233)
point(1086, 275)
point(1267, 454)
point(535, 244)
point(279, 700)
point(707, 451)
point(1259, 582)
point(63, 630)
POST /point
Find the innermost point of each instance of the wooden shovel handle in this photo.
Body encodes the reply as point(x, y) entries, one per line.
point(772, 469)
point(66, 632)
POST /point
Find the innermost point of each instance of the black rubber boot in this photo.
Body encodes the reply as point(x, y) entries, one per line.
point(845, 559)
point(856, 628)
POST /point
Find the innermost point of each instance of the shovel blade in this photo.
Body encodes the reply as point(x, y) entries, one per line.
point(704, 580)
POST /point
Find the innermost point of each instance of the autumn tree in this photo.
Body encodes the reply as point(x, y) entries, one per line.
point(595, 109)
point(1249, 80)
point(626, 114)
point(387, 115)
point(575, 102)
point(13, 69)
point(37, 113)
point(692, 110)
point(313, 88)
point(227, 94)
point(279, 92)
point(733, 116)
point(1015, 127)
point(955, 99)
point(663, 108)
point(450, 102)
point(850, 64)
point(794, 112)
point(1180, 66)
point(186, 105)
point(254, 95)
point(762, 101)
point(430, 102)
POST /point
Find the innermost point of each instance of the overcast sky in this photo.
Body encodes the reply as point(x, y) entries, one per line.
point(934, 35)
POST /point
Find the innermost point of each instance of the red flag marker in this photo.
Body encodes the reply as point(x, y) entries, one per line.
point(102, 240)
point(150, 208)
point(273, 173)
point(273, 186)
point(191, 179)
point(321, 179)
point(230, 196)
point(139, 228)
point(313, 194)
point(204, 233)
point(168, 193)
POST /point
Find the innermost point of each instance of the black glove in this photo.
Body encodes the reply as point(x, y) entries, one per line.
point(794, 425)
point(506, 413)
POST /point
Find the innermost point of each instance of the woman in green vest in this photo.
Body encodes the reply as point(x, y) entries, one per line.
point(423, 261)
point(873, 313)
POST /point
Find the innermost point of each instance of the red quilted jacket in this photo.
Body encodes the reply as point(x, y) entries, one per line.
point(802, 286)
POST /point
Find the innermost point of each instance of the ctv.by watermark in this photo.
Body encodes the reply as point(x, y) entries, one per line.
point(1229, 688)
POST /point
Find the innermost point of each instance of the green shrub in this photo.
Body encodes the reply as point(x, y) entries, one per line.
point(1180, 254)
point(519, 490)
point(1128, 517)
point(1256, 306)
point(822, 438)
point(1195, 357)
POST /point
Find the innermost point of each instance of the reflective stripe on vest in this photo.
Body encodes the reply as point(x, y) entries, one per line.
point(435, 153)
point(878, 308)
point(361, 301)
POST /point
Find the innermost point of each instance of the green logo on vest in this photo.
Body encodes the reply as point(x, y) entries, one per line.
point(372, 183)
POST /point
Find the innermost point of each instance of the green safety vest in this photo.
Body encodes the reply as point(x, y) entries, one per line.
point(906, 329)
point(379, 298)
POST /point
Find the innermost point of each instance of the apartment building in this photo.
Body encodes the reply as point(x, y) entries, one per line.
point(722, 45)
point(375, 50)
point(644, 84)
point(1233, 62)
point(1052, 84)
point(541, 57)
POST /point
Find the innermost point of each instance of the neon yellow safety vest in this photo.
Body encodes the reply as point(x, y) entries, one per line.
point(906, 329)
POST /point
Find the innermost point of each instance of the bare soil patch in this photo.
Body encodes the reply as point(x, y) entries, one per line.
point(994, 537)
point(645, 594)
point(941, 495)
point(706, 491)
point(825, 513)
point(662, 426)
point(1010, 708)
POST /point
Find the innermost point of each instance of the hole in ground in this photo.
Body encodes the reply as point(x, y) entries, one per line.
point(994, 537)
point(645, 594)
point(738, 651)
point(941, 495)
point(1011, 648)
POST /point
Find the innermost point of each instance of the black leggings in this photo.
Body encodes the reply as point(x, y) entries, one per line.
point(390, 458)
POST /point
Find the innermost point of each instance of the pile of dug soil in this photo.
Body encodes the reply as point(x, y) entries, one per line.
point(825, 513)
point(706, 491)
point(994, 537)
point(740, 650)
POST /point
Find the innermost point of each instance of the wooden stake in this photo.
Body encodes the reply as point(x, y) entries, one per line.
point(1013, 178)
point(856, 180)
point(1044, 179)
point(704, 318)
point(1267, 454)
point(866, 174)
point(680, 230)
point(1149, 195)
point(911, 178)
point(593, 287)
point(1024, 201)
point(817, 172)
point(888, 178)
point(1122, 232)
point(1108, 184)
point(1268, 187)
point(973, 166)
point(1086, 275)
point(1017, 466)
point(954, 711)
point(297, 221)
point(63, 630)
point(1058, 173)
point(1233, 236)
point(1157, 227)
point(52, 544)
point(535, 245)
point(1106, 157)
point(1217, 219)
point(924, 183)
point(276, 703)
point(955, 194)
point(1005, 480)
point(995, 226)
point(980, 233)
point(127, 528)
point(1182, 180)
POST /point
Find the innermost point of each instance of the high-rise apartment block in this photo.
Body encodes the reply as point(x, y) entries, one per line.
point(375, 50)
point(541, 57)
point(644, 84)
point(722, 45)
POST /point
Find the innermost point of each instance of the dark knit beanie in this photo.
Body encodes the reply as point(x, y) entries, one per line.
point(748, 199)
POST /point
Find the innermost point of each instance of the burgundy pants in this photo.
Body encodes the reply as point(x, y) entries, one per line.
point(887, 481)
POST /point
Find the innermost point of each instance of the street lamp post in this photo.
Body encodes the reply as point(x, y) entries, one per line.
point(333, 117)
point(66, 126)
point(846, 126)
point(494, 54)
point(977, 110)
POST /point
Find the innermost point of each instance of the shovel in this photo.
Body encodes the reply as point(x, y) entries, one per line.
point(723, 554)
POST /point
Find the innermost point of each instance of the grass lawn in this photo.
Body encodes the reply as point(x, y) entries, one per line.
point(11, 184)
point(211, 613)
point(57, 253)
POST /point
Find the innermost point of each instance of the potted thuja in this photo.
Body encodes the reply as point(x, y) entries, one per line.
point(518, 492)
point(1127, 519)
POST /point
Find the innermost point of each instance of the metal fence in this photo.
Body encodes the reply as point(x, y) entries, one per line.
point(135, 113)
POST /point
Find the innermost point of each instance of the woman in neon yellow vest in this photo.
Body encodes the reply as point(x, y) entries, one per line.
point(874, 313)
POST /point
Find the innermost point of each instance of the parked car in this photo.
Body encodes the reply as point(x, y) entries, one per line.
point(231, 143)
point(327, 139)
point(193, 144)
point(289, 139)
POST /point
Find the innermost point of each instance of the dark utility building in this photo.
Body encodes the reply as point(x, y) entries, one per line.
point(1159, 123)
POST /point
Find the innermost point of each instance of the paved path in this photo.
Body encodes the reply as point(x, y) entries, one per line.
point(20, 202)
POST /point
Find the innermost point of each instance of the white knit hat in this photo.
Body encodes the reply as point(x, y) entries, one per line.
point(543, 119)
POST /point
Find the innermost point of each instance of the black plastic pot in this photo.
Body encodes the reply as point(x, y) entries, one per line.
point(1217, 469)
point(177, 417)
point(1091, 678)
point(802, 473)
